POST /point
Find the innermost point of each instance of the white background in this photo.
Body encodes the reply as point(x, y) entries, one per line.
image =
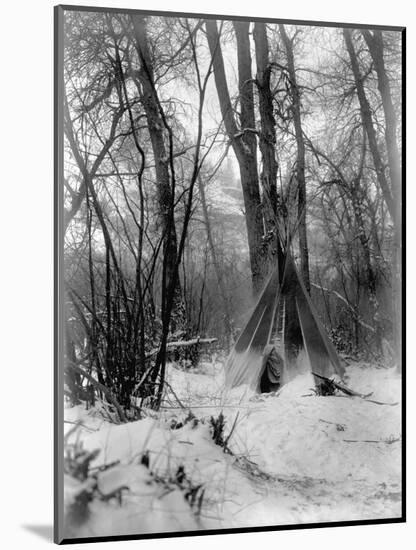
point(26, 270)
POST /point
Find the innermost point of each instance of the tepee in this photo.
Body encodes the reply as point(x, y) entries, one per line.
point(283, 337)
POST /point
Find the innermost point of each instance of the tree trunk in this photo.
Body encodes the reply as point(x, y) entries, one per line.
point(267, 136)
point(157, 129)
point(376, 47)
point(242, 140)
point(390, 193)
point(300, 161)
point(369, 127)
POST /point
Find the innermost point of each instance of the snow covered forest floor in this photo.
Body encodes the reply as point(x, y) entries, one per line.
point(292, 457)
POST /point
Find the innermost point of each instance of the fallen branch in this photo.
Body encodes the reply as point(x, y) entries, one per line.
point(351, 393)
point(374, 401)
point(386, 441)
point(343, 388)
point(183, 344)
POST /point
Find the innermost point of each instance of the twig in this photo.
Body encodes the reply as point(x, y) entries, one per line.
point(109, 395)
point(373, 401)
point(350, 307)
point(80, 424)
point(142, 379)
point(231, 431)
point(105, 467)
point(175, 396)
point(210, 407)
point(386, 441)
point(116, 493)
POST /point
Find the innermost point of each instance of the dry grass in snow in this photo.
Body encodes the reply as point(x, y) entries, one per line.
point(294, 457)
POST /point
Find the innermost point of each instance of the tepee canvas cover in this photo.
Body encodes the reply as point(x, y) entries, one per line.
point(284, 319)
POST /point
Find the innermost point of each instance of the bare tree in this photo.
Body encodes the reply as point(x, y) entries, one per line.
point(164, 162)
point(300, 161)
point(241, 137)
point(369, 127)
point(267, 135)
point(375, 45)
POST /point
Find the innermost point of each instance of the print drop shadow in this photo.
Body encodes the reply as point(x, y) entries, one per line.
point(43, 531)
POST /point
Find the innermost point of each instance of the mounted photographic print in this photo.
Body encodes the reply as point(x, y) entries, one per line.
point(228, 208)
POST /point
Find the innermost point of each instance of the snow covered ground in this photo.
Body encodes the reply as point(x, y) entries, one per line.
point(295, 457)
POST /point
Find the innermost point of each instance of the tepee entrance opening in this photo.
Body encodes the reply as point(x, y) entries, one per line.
point(283, 336)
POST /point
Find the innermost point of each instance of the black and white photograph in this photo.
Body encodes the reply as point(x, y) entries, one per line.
point(229, 275)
